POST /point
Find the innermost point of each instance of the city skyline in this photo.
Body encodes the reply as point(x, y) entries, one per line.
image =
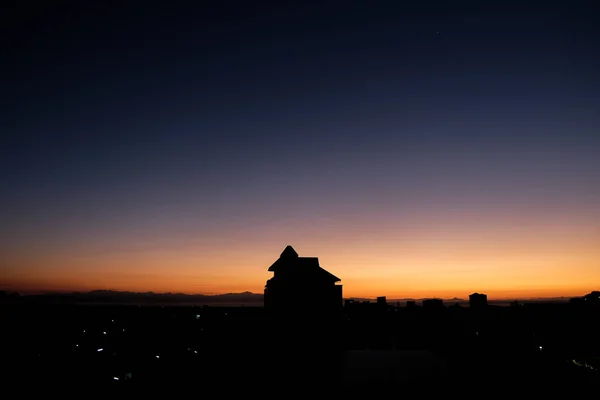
point(419, 150)
point(392, 293)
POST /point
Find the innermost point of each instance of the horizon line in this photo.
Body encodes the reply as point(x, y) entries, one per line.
point(37, 293)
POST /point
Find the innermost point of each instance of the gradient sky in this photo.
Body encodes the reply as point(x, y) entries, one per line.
point(418, 150)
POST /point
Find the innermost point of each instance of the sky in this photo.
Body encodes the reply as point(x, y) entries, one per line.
point(431, 149)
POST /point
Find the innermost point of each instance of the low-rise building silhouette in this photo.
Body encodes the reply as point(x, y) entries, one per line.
point(590, 299)
point(433, 304)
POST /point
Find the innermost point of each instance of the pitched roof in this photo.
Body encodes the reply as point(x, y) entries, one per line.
point(288, 252)
point(289, 258)
point(312, 263)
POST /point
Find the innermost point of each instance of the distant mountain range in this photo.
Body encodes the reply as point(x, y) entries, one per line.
point(147, 298)
point(228, 299)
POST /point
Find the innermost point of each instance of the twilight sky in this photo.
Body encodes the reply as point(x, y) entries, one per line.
point(416, 149)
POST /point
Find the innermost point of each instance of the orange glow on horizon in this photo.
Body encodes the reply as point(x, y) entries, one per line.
point(525, 256)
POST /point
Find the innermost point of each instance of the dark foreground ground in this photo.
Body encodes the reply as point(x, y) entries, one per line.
point(89, 350)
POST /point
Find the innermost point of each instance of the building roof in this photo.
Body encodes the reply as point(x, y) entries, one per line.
point(288, 252)
point(289, 259)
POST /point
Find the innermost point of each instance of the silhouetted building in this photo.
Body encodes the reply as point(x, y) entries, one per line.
point(431, 304)
point(366, 308)
point(592, 298)
point(300, 287)
point(478, 300)
point(382, 301)
point(411, 303)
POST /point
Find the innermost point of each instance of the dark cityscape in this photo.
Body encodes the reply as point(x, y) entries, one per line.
point(296, 340)
point(282, 199)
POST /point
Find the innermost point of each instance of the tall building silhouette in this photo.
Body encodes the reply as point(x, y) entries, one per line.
point(304, 304)
point(478, 300)
point(301, 288)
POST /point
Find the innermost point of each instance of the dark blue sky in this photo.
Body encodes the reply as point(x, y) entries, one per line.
point(191, 119)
